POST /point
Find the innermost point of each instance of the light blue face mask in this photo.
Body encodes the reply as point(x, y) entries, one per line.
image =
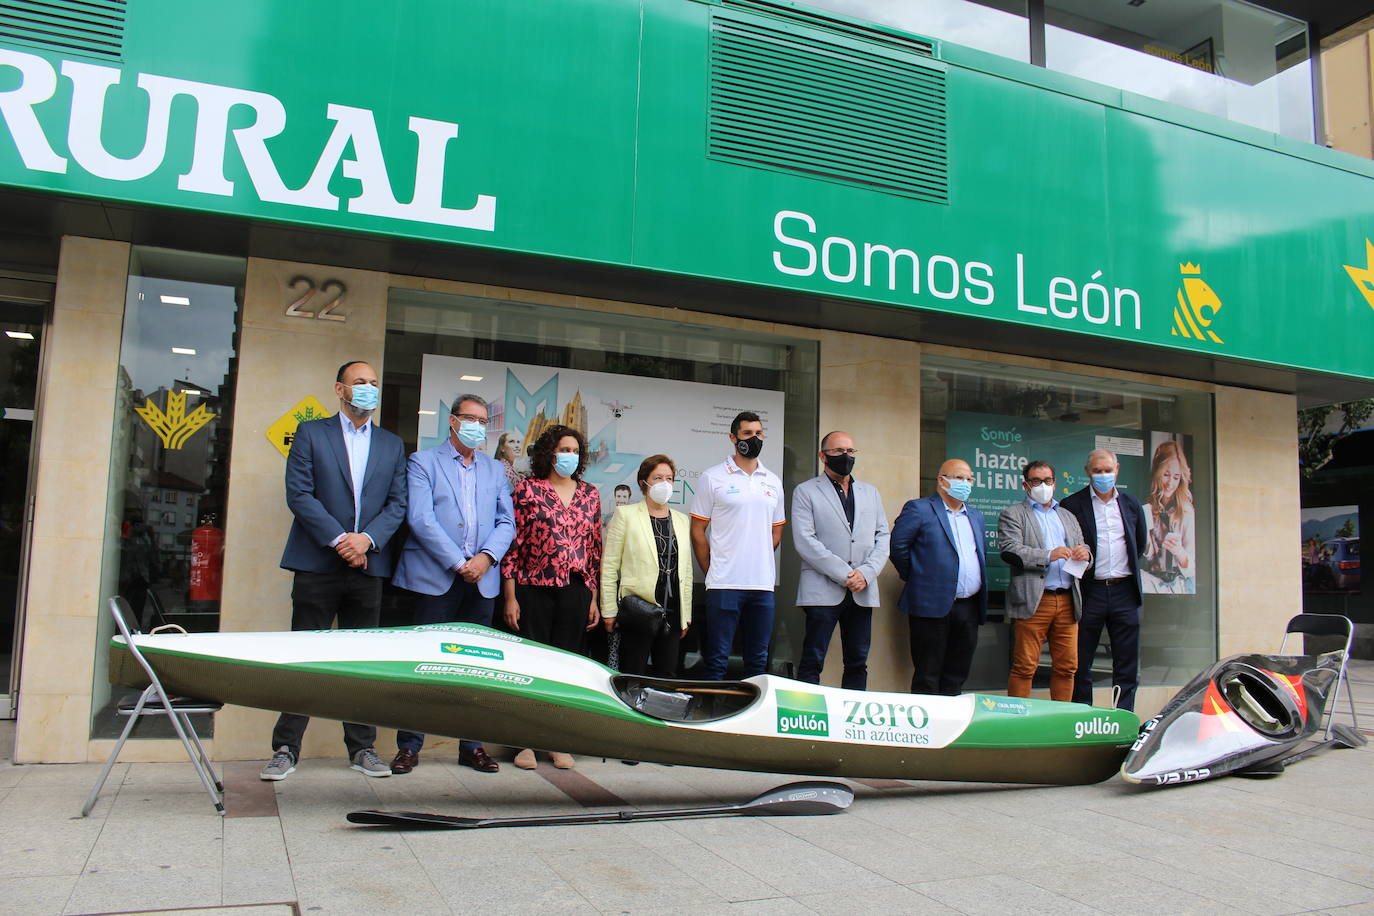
point(1103, 483)
point(958, 489)
point(566, 463)
point(471, 434)
point(365, 397)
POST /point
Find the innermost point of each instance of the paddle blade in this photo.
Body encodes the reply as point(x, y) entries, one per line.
point(414, 820)
point(1345, 736)
point(800, 798)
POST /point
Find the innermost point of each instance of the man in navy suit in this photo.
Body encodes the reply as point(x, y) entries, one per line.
point(460, 526)
point(346, 487)
point(1114, 529)
point(939, 551)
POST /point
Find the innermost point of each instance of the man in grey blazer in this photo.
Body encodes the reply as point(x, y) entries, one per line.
point(1037, 537)
point(840, 532)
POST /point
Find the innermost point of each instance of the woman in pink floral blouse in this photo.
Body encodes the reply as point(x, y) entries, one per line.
point(549, 574)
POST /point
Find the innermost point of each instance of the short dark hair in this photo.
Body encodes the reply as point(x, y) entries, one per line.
point(465, 398)
point(646, 467)
point(542, 455)
point(741, 418)
point(344, 368)
point(1032, 465)
point(621, 486)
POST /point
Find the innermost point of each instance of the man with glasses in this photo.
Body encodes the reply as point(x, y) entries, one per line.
point(461, 523)
point(939, 551)
point(1038, 537)
point(741, 502)
point(840, 531)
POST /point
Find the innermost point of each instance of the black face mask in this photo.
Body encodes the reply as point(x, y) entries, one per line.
point(840, 465)
point(749, 448)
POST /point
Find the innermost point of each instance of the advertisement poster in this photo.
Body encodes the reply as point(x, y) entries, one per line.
point(625, 419)
point(1331, 548)
point(997, 448)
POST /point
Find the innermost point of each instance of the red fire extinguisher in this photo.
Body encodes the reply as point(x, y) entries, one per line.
point(207, 561)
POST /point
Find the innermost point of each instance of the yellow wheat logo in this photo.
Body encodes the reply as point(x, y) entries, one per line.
point(1364, 276)
point(175, 426)
point(1197, 306)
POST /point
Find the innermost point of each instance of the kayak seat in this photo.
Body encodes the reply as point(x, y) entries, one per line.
point(684, 701)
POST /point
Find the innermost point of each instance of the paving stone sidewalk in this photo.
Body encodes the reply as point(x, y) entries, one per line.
point(1301, 843)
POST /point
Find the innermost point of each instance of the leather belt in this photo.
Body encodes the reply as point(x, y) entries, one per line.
point(1056, 591)
point(1116, 581)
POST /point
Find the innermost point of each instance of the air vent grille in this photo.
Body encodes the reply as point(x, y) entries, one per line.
point(910, 44)
point(94, 28)
point(790, 99)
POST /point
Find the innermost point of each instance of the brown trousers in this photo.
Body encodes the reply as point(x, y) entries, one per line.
point(1052, 618)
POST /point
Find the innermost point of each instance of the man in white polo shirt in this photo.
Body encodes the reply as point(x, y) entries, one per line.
point(737, 519)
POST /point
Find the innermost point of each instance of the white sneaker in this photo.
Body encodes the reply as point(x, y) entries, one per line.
point(368, 763)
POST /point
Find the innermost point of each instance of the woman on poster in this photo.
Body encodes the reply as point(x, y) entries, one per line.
point(1170, 566)
point(646, 556)
point(549, 574)
point(508, 453)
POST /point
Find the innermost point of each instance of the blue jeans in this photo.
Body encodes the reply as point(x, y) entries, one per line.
point(856, 629)
point(462, 603)
point(731, 609)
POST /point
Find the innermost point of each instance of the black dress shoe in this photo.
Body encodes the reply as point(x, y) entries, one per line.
point(404, 761)
point(479, 760)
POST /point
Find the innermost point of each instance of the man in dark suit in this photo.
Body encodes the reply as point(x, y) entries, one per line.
point(346, 487)
point(939, 551)
point(1114, 528)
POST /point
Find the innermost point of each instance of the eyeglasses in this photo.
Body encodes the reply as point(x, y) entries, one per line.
point(1035, 480)
point(837, 452)
point(472, 418)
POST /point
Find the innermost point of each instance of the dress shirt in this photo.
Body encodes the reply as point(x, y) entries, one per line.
point(846, 498)
point(970, 576)
point(1111, 539)
point(1052, 532)
point(467, 502)
point(357, 442)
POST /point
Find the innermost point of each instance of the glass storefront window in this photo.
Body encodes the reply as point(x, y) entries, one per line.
point(1224, 58)
point(997, 418)
point(997, 26)
point(169, 455)
point(634, 386)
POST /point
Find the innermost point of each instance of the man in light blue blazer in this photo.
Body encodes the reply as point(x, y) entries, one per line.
point(939, 551)
point(460, 526)
point(346, 488)
point(840, 532)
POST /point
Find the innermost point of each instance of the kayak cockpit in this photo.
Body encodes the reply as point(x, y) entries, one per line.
point(684, 701)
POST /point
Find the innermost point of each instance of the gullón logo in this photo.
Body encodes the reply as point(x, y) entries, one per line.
point(454, 648)
point(1095, 726)
point(354, 146)
point(802, 713)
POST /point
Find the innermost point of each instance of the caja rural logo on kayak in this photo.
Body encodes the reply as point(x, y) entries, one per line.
point(454, 648)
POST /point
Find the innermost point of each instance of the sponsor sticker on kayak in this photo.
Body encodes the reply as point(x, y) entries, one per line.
point(1004, 706)
point(801, 713)
point(454, 648)
point(504, 677)
point(1095, 726)
point(888, 723)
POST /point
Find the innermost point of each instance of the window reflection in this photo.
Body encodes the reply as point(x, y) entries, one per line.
point(1227, 59)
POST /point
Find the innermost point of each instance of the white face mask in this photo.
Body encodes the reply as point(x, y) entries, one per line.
point(1042, 493)
point(661, 492)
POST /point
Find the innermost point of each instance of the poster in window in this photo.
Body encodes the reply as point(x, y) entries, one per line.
point(1168, 565)
point(1331, 549)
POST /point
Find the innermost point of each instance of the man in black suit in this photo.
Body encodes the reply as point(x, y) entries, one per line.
point(346, 487)
point(1114, 527)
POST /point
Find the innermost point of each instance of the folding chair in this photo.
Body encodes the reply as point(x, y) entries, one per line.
point(154, 701)
point(1328, 625)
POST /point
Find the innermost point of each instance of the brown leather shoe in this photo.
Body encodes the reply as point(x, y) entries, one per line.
point(404, 761)
point(479, 760)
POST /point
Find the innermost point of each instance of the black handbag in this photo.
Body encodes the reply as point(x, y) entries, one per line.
point(642, 618)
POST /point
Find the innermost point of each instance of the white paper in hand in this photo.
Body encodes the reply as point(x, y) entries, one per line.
point(1076, 568)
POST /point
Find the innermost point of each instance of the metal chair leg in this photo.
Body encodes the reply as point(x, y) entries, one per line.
point(191, 753)
point(114, 754)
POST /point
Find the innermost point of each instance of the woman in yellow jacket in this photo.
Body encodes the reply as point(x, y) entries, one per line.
point(648, 553)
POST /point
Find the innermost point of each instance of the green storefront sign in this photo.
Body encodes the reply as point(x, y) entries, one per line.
point(652, 135)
